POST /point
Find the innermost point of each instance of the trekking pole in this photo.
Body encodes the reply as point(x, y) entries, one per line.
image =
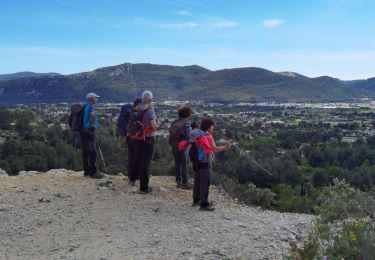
point(242, 153)
point(101, 155)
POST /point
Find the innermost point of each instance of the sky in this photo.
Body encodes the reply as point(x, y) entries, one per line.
point(311, 37)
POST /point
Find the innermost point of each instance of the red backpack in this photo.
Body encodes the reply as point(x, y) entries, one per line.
point(136, 126)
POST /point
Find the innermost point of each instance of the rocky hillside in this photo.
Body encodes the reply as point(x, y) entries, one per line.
point(26, 74)
point(63, 215)
point(124, 82)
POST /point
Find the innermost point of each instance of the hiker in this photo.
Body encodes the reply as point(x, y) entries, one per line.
point(141, 128)
point(202, 175)
point(179, 134)
point(87, 136)
point(133, 161)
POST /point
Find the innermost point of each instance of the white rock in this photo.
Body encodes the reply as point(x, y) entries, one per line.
point(60, 171)
point(3, 173)
point(132, 189)
point(25, 173)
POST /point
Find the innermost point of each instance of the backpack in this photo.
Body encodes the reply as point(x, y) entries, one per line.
point(193, 155)
point(196, 153)
point(76, 117)
point(177, 132)
point(136, 127)
point(123, 120)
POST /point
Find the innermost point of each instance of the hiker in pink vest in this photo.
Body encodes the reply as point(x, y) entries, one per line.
point(202, 177)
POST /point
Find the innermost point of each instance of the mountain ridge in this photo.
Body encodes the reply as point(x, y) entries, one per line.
point(123, 82)
point(26, 74)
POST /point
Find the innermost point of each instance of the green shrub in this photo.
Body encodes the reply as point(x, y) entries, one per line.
point(345, 227)
point(247, 193)
point(289, 200)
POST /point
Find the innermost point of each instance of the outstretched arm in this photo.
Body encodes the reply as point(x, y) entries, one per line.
point(217, 149)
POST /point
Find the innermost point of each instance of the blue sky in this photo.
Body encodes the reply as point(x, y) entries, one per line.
point(311, 37)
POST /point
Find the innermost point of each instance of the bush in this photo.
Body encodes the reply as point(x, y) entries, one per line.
point(4, 165)
point(289, 200)
point(247, 193)
point(345, 228)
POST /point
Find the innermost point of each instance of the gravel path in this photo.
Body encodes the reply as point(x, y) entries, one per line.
point(62, 215)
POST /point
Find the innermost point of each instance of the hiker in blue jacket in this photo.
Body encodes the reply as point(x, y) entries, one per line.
point(87, 136)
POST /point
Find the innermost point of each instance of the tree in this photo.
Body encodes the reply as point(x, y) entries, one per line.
point(11, 148)
point(17, 165)
point(320, 178)
point(5, 166)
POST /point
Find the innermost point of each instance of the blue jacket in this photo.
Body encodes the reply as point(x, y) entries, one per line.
point(88, 108)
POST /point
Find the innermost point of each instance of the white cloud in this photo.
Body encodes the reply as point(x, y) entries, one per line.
point(174, 26)
point(272, 23)
point(183, 13)
point(118, 26)
point(221, 23)
point(178, 26)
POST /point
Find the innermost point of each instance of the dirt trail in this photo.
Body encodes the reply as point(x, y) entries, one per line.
point(63, 215)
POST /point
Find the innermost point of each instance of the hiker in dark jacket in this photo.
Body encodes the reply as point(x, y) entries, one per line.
point(133, 160)
point(179, 134)
point(202, 176)
point(87, 136)
point(143, 148)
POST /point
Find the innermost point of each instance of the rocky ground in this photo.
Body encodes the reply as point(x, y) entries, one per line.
point(63, 215)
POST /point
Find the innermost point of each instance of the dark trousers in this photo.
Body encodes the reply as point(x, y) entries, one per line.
point(202, 179)
point(142, 155)
point(133, 158)
point(180, 165)
point(88, 147)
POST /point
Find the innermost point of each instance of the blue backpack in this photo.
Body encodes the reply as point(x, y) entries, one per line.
point(123, 120)
point(196, 152)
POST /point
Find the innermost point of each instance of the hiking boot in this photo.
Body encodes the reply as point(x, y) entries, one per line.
point(149, 190)
point(131, 183)
point(97, 176)
point(207, 208)
point(186, 186)
point(195, 203)
point(86, 174)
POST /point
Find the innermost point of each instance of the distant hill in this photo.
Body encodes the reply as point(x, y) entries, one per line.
point(25, 74)
point(365, 85)
point(124, 82)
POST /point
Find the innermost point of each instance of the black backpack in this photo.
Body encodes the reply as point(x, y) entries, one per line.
point(76, 117)
point(193, 155)
point(136, 126)
point(123, 120)
point(177, 132)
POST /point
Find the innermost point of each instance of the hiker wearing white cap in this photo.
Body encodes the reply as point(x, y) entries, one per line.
point(87, 135)
point(141, 139)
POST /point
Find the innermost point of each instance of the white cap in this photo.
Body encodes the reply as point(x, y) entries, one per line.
point(91, 95)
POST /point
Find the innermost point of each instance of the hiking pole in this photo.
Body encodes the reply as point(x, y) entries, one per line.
point(101, 155)
point(242, 153)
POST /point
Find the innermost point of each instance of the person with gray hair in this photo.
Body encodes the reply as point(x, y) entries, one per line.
point(143, 148)
point(147, 96)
